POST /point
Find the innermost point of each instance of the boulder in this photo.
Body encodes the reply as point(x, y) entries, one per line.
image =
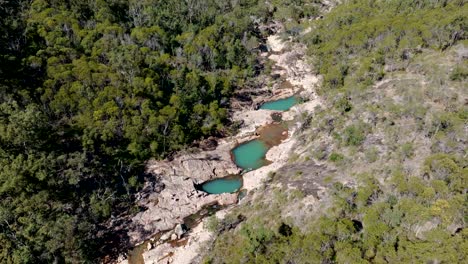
point(165, 236)
point(179, 230)
point(420, 230)
point(209, 144)
point(454, 228)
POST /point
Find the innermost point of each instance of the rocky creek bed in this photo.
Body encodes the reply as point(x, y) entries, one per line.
point(160, 229)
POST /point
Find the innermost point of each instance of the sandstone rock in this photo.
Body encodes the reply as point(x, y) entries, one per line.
point(420, 230)
point(454, 228)
point(275, 44)
point(227, 199)
point(200, 166)
point(462, 52)
point(183, 253)
point(175, 202)
point(165, 236)
point(179, 230)
point(122, 259)
point(252, 119)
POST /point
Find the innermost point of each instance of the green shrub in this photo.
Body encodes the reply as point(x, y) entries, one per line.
point(407, 150)
point(371, 154)
point(441, 166)
point(343, 105)
point(212, 224)
point(459, 73)
point(336, 157)
point(354, 135)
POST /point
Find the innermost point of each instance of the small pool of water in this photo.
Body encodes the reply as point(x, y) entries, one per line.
point(281, 104)
point(223, 185)
point(250, 155)
point(273, 134)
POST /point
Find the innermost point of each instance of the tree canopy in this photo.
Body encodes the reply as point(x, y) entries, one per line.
point(89, 90)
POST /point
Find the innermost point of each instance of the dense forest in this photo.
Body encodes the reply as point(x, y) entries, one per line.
point(89, 90)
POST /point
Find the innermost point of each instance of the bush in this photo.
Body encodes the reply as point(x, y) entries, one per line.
point(343, 105)
point(372, 155)
point(441, 166)
point(354, 135)
point(336, 157)
point(212, 224)
point(459, 74)
point(407, 150)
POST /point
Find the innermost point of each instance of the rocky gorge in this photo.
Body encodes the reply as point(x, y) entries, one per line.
point(160, 224)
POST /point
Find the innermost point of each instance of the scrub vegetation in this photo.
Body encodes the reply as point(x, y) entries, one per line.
point(393, 134)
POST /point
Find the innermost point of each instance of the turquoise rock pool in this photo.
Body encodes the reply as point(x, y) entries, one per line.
point(281, 104)
point(250, 155)
point(223, 185)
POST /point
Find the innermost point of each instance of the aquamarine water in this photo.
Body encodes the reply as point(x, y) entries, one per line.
point(226, 185)
point(280, 105)
point(250, 155)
